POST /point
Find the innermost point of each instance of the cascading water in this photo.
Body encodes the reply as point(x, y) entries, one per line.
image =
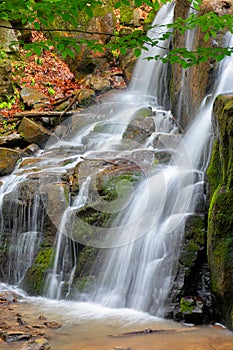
point(144, 239)
point(21, 226)
point(150, 78)
point(140, 274)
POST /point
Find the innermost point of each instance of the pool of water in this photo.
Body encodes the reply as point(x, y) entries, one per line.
point(87, 326)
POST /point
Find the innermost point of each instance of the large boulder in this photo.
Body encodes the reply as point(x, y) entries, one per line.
point(220, 217)
point(34, 132)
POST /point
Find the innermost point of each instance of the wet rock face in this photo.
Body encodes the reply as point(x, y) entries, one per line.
point(190, 297)
point(220, 219)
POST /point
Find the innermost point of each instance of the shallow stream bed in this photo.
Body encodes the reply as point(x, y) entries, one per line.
point(87, 326)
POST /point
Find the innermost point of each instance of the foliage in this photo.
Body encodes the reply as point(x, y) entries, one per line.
point(187, 305)
point(41, 15)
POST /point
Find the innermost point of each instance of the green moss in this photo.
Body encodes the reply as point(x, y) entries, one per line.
point(188, 257)
point(37, 273)
point(214, 171)
point(118, 185)
point(150, 17)
point(194, 241)
point(126, 14)
point(66, 194)
point(186, 305)
point(83, 283)
point(85, 260)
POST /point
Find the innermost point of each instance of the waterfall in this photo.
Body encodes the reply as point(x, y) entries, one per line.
point(20, 227)
point(143, 243)
point(150, 78)
point(139, 272)
point(56, 279)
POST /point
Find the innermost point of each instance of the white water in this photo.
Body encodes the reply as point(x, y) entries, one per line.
point(55, 280)
point(20, 227)
point(149, 78)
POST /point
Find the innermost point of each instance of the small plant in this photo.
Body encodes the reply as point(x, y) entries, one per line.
point(187, 305)
point(4, 124)
point(38, 60)
point(3, 54)
point(51, 91)
point(8, 104)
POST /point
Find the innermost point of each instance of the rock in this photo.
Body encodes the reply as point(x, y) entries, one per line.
point(53, 324)
point(36, 344)
point(55, 198)
point(33, 132)
point(7, 36)
point(32, 97)
point(191, 310)
point(28, 162)
point(121, 348)
point(85, 96)
point(128, 63)
point(30, 150)
point(8, 160)
point(167, 141)
point(10, 140)
point(14, 336)
point(5, 78)
point(42, 317)
point(220, 218)
point(140, 130)
point(99, 83)
point(118, 82)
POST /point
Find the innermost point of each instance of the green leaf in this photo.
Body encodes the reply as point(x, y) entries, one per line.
point(137, 52)
point(89, 11)
point(37, 50)
point(36, 25)
point(206, 36)
point(69, 52)
point(123, 50)
point(64, 54)
point(220, 57)
point(138, 3)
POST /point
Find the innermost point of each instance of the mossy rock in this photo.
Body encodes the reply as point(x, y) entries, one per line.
point(35, 279)
point(194, 241)
point(220, 215)
point(117, 185)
